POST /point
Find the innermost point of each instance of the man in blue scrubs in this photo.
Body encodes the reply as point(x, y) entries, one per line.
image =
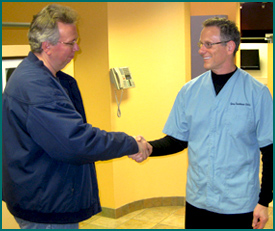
point(225, 118)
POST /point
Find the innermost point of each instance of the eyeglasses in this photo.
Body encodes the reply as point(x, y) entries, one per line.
point(70, 43)
point(209, 45)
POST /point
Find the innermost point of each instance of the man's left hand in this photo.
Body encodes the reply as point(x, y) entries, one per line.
point(260, 217)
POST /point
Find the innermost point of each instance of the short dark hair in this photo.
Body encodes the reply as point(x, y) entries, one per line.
point(228, 30)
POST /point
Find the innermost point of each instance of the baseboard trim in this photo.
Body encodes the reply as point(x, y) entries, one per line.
point(142, 204)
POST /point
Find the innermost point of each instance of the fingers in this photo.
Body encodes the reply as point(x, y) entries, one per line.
point(145, 150)
point(139, 138)
point(137, 157)
point(258, 223)
point(260, 217)
point(255, 222)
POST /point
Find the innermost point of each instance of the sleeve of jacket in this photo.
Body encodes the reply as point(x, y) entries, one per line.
point(59, 130)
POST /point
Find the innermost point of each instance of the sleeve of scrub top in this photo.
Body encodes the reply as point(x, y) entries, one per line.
point(176, 124)
point(264, 118)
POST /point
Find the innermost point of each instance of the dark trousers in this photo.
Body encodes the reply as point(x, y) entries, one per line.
point(196, 218)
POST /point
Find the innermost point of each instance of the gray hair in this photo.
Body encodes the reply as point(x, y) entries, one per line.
point(44, 25)
point(228, 30)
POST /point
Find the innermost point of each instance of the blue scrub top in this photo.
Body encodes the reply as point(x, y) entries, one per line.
point(224, 134)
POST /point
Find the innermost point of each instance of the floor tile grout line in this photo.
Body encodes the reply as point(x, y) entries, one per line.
point(159, 223)
point(169, 215)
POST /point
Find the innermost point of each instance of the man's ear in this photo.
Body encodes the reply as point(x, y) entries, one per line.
point(231, 47)
point(46, 46)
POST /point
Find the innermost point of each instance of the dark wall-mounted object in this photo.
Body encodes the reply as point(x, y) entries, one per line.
point(250, 59)
point(256, 20)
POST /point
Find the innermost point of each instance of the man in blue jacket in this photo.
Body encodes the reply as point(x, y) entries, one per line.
point(49, 150)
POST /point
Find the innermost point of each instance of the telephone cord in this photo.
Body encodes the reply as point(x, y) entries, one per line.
point(118, 103)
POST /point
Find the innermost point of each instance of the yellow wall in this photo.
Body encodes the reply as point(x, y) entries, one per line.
point(270, 68)
point(215, 8)
point(153, 40)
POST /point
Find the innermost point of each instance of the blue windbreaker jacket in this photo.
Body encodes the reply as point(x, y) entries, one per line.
point(48, 152)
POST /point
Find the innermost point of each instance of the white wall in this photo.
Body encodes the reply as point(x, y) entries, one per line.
point(261, 74)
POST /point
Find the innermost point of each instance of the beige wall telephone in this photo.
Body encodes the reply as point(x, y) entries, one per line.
point(121, 77)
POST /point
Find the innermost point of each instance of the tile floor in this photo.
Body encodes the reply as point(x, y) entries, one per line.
point(167, 217)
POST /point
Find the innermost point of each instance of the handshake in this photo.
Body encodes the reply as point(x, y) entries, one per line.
point(145, 150)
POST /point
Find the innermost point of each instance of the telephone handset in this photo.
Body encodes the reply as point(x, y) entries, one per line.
point(121, 77)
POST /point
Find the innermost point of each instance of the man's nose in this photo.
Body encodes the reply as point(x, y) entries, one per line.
point(202, 50)
point(76, 47)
